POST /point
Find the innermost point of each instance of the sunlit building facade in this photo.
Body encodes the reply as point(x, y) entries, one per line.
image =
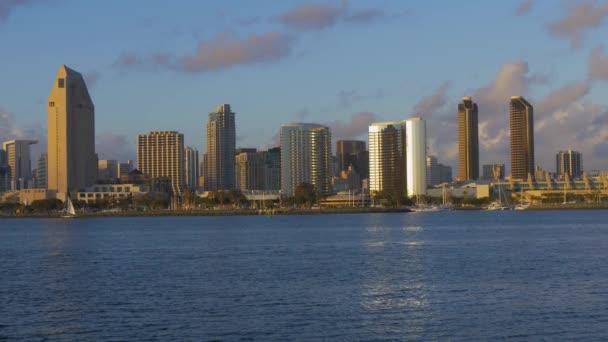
point(468, 140)
point(387, 158)
point(569, 162)
point(161, 155)
point(521, 115)
point(305, 157)
point(415, 146)
point(221, 148)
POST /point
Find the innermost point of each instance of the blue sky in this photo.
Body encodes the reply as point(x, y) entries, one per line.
point(163, 65)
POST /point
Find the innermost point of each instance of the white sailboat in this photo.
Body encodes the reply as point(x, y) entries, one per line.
point(497, 205)
point(522, 205)
point(70, 211)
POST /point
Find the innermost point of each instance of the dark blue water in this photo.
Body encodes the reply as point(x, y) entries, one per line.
point(432, 276)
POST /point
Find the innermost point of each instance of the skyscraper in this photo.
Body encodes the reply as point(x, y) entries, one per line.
point(415, 152)
point(72, 164)
point(569, 162)
point(305, 157)
point(19, 162)
point(468, 140)
point(191, 168)
point(221, 146)
point(522, 137)
point(161, 154)
point(387, 158)
point(347, 153)
point(41, 166)
point(272, 168)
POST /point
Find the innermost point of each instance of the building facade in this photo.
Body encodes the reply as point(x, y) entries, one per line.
point(72, 163)
point(272, 168)
point(191, 168)
point(433, 173)
point(387, 158)
point(468, 140)
point(445, 173)
point(521, 115)
point(107, 169)
point(161, 155)
point(41, 166)
point(349, 153)
point(249, 168)
point(305, 157)
point(569, 162)
point(415, 146)
point(19, 162)
point(221, 146)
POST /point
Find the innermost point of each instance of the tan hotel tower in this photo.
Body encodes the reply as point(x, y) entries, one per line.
point(72, 163)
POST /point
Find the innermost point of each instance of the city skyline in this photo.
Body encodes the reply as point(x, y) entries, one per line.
point(564, 80)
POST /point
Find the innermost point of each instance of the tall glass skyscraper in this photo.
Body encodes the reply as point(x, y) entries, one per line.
point(521, 115)
point(305, 157)
point(387, 159)
point(468, 140)
point(221, 148)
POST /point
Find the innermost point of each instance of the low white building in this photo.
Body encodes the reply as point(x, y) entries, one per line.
point(98, 192)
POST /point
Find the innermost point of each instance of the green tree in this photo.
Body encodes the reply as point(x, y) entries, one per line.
point(305, 195)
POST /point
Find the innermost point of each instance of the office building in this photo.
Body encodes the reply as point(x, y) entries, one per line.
point(522, 137)
point(191, 168)
point(161, 155)
point(249, 170)
point(19, 162)
point(415, 146)
point(305, 157)
point(468, 140)
point(445, 174)
point(125, 168)
point(107, 170)
point(569, 162)
point(221, 146)
point(387, 158)
point(272, 168)
point(493, 171)
point(72, 163)
point(433, 173)
point(348, 152)
point(41, 166)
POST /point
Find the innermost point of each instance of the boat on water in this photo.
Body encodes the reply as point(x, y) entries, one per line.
point(522, 206)
point(70, 211)
point(497, 205)
point(422, 208)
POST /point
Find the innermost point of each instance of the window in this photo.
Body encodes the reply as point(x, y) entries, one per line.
point(51, 104)
point(61, 83)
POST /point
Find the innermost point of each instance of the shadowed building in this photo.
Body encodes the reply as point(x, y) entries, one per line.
point(569, 162)
point(493, 171)
point(349, 152)
point(468, 140)
point(72, 163)
point(41, 171)
point(19, 161)
point(160, 155)
point(521, 115)
point(191, 168)
point(305, 157)
point(221, 147)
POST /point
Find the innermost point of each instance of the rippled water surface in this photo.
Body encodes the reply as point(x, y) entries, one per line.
point(369, 277)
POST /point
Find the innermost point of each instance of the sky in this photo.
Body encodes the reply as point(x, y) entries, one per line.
point(164, 65)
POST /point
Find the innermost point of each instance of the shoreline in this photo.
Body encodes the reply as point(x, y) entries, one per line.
point(278, 212)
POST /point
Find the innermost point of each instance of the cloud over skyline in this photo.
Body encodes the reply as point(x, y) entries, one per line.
point(221, 52)
point(579, 17)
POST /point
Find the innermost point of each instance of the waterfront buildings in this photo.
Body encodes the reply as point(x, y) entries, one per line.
point(272, 168)
point(19, 162)
point(41, 166)
point(521, 114)
point(72, 163)
point(445, 173)
point(161, 155)
point(125, 168)
point(493, 171)
point(249, 170)
point(468, 140)
point(569, 162)
point(221, 146)
point(387, 158)
point(415, 145)
point(191, 168)
point(107, 169)
point(352, 152)
point(305, 157)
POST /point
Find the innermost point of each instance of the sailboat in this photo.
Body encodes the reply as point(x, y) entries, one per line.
point(497, 205)
point(70, 212)
point(522, 205)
